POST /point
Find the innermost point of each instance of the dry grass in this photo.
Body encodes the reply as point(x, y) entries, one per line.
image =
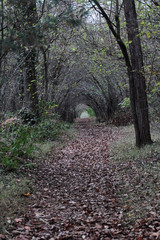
point(138, 175)
point(12, 201)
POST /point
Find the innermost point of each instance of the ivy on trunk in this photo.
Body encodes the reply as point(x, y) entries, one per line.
point(30, 54)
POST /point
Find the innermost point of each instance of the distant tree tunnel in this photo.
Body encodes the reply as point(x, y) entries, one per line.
point(73, 104)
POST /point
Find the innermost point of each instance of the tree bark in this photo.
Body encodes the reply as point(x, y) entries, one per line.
point(30, 52)
point(45, 82)
point(2, 33)
point(31, 94)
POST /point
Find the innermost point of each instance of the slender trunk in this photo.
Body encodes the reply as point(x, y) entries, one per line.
point(45, 82)
point(30, 53)
point(110, 98)
point(2, 34)
point(30, 83)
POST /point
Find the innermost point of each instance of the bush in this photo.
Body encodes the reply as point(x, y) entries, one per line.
point(45, 130)
point(27, 116)
point(18, 140)
point(15, 144)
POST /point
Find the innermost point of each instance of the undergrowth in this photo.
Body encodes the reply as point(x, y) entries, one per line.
point(137, 173)
point(18, 141)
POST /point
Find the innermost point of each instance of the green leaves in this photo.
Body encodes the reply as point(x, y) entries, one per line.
point(18, 140)
point(14, 146)
point(126, 103)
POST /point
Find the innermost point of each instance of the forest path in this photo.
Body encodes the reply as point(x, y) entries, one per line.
point(75, 192)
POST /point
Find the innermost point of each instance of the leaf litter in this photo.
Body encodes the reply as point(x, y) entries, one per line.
point(76, 194)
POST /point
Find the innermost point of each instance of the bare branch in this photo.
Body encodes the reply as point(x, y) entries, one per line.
point(155, 3)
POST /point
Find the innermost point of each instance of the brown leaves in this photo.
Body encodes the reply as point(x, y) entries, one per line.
point(17, 220)
point(76, 195)
point(140, 238)
point(156, 235)
point(2, 236)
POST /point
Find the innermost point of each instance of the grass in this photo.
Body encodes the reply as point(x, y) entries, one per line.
point(47, 147)
point(12, 201)
point(138, 175)
point(19, 141)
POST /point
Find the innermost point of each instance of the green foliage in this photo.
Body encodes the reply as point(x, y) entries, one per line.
point(27, 116)
point(9, 163)
point(18, 140)
point(126, 103)
point(8, 115)
point(50, 22)
point(91, 112)
point(45, 130)
point(74, 16)
point(15, 144)
point(153, 100)
point(46, 109)
point(55, 1)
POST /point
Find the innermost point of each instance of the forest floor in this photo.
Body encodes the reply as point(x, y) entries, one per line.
point(82, 192)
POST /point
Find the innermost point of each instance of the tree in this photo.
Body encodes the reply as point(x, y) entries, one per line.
point(134, 64)
point(30, 54)
point(51, 46)
point(20, 38)
point(1, 31)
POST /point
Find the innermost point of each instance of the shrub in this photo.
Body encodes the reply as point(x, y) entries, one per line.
point(45, 130)
point(27, 116)
point(18, 140)
point(15, 143)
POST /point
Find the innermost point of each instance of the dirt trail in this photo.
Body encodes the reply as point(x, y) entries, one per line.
point(75, 192)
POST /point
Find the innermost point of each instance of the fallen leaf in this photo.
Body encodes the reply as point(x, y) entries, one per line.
point(26, 194)
point(139, 238)
point(156, 234)
point(2, 236)
point(17, 220)
point(27, 228)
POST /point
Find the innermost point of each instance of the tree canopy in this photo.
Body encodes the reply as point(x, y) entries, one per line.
point(65, 53)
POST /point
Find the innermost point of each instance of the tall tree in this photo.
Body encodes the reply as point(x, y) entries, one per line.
point(1, 31)
point(29, 49)
point(134, 64)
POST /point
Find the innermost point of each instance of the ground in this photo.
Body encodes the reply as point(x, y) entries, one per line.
point(75, 194)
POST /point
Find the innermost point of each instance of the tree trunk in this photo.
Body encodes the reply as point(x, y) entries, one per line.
point(137, 77)
point(30, 53)
point(134, 64)
point(45, 82)
point(31, 95)
point(2, 33)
